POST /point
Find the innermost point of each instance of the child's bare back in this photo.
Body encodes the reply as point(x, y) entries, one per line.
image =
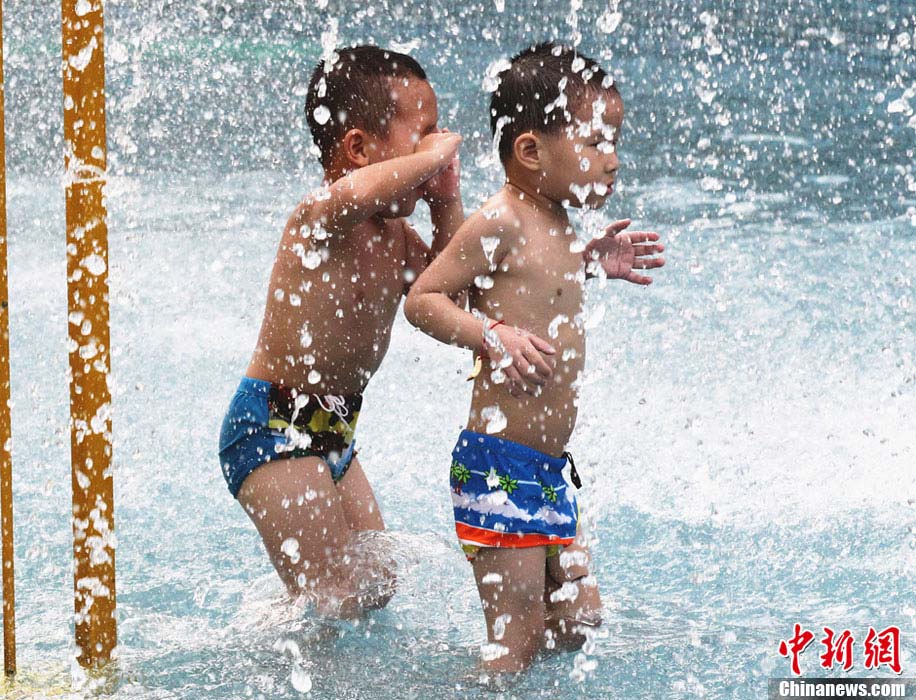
point(331, 303)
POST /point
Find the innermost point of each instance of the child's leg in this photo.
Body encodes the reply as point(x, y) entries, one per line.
point(511, 587)
point(571, 597)
point(298, 512)
point(358, 501)
point(362, 513)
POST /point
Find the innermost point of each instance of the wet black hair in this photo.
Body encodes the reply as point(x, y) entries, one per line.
point(354, 92)
point(531, 92)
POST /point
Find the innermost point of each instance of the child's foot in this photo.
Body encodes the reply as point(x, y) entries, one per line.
point(367, 588)
point(337, 604)
point(375, 593)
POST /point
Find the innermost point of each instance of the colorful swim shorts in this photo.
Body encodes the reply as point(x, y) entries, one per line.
point(268, 421)
point(509, 495)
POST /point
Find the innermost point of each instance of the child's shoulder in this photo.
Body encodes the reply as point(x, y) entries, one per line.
point(499, 215)
point(324, 221)
point(327, 216)
point(309, 209)
point(301, 217)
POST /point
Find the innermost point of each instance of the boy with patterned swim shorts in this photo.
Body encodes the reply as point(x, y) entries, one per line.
point(557, 117)
point(346, 257)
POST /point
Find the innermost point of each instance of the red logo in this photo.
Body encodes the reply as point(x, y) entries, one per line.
point(795, 646)
point(881, 648)
point(839, 649)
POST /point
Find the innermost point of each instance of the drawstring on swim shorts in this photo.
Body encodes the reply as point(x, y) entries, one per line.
point(573, 474)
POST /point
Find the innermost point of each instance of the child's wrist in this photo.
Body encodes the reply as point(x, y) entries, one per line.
point(437, 202)
point(488, 328)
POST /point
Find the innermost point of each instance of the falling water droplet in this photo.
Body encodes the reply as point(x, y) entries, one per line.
point(553, 330)
point(609, 21)
point(321, 114)
point(489, 245)
point(290, 548)
point(496, 419)
point(94, 264)
point(300, 679)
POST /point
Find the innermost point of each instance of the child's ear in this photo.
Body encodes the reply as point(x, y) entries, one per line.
point(527, 151)
point(356, 148)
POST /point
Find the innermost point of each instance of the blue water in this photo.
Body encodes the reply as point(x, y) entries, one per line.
point(746, 424)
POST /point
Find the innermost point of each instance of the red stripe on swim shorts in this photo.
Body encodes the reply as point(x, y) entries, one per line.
point(491, 538)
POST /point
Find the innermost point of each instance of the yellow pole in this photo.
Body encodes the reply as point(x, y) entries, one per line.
point(6, 461)
point(87, 291)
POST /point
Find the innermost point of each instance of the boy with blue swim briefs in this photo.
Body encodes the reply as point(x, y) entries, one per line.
point(346, 257)
point(557, 117)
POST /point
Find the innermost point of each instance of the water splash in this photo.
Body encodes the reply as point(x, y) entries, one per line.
point(489, 245)
point(495, 418)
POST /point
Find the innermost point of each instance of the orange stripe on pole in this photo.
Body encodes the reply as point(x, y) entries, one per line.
point(87, 290)
point(6, 459)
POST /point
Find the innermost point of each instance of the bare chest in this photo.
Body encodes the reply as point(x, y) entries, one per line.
point(544, 275)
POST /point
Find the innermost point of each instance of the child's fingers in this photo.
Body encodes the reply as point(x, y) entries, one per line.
point(537, 369)
point(649, 249)
point(649, 263)
point(642, 236)
point(541, 345)
point(617, 226)
point(527, 371)
point(531, 387)
point(639, 279)
point(532, 375)
point(514, 381)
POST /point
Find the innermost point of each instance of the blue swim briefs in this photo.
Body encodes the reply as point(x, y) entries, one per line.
point(509, 495)
point(268, 421)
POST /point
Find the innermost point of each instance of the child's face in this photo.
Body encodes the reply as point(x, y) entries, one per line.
point(416, 115)
point(580, 164)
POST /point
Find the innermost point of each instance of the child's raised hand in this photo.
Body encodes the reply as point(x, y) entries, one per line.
point(444, 187)
point(521, 356)
point(443, 143)
point(620, 254)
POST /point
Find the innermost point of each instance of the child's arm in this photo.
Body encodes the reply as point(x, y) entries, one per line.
point(429, 306)
point(366, 191)
point(417, 256)
point(619, 255)
point(443, 195)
